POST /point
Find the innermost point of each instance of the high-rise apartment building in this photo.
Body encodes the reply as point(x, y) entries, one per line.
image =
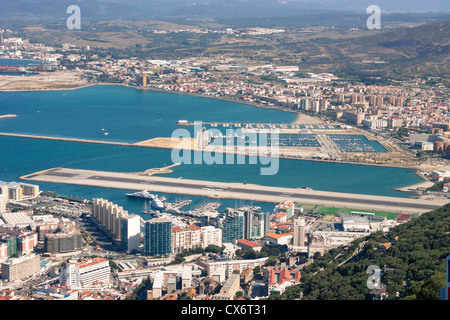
point(299, 238)
point(256, 224)
point(86, 273)
point(158, 237)
point(108, 215)
point(233, 227)
point(130, 232)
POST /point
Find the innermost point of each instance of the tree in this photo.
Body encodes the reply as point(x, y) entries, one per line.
point(184, 296)
point(213, 249)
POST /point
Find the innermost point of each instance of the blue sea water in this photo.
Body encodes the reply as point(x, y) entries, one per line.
point(131, 115)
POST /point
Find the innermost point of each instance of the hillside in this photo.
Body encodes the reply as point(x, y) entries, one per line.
point(422, 50)
point(414, 265)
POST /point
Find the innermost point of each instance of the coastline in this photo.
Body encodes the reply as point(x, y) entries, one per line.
point(296, 121)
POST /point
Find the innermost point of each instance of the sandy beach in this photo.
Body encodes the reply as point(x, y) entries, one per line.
point(58, 80)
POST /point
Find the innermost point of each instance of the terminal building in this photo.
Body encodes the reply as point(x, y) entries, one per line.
point(352, 223)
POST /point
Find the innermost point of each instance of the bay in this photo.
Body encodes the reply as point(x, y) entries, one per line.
point(131, 115)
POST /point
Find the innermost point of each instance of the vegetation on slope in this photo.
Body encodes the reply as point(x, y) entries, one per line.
point(414, 266)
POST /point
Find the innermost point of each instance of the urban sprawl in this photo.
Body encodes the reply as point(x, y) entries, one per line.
point(54, 247)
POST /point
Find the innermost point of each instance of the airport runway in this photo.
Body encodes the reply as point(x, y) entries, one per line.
point(224, 190)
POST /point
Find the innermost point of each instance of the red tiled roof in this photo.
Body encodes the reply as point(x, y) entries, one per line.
point(248, 243)
point(285, 275)
point(278, 236)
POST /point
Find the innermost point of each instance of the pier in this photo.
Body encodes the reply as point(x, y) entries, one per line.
point(29, 136)
point(227, 190)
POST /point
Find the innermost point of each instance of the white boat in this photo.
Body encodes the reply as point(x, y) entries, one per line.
point(142, 194)
point(156, 203)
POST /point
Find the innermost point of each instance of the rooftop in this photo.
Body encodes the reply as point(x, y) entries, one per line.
point(248, 243)
point(279, 235)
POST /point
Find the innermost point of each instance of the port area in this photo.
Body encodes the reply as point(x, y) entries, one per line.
point(316, 143)
point(227, 190)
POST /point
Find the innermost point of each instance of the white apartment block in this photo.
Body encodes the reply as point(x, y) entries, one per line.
point(3, 200)
point(130, 233)
point(186, 239)
point(20, 268)
point(3, 251)
point(86, 273)
point(299, 237)
point(211, 236)
point(108, 214)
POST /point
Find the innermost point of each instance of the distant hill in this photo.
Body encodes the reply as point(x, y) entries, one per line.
point(158, 9)
point(422, 50)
